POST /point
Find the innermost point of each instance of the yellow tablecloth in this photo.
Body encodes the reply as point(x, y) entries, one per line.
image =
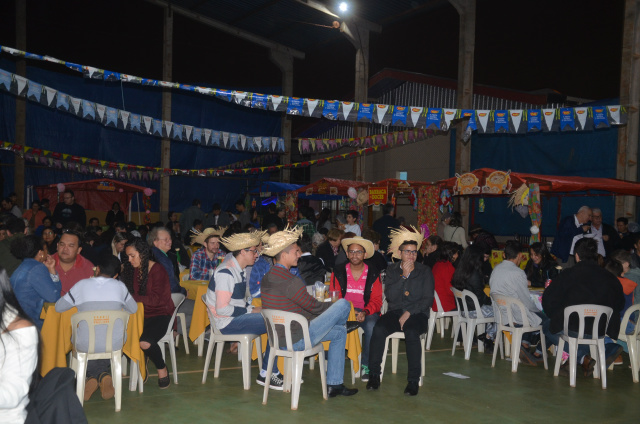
point(497, 256)
point(192, 287)
point(56, 338)
point(199, 319)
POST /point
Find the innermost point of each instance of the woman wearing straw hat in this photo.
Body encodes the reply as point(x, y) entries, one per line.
point(327, 322)
point(409, 288)
point(226, 297)
point(359, 283)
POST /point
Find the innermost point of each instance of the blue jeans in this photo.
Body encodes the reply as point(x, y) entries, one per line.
point(250, 324)
point(367, 327)
point(553, 339)
point(330, 326)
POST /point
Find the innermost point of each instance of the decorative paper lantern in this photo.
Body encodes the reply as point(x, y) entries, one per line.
point(148, 192)
point(120, 190)
point(534, 229)
point(352, 192)
point(60, 187)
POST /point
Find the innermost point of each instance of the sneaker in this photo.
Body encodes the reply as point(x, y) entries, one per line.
point(276, 383)
point(90, 386)
point(364, 374)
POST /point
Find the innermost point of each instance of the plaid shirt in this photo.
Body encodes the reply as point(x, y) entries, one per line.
point(201, 265)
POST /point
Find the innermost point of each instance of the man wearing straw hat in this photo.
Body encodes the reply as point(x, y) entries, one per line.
point(409, 288)
point(205, 259)
point(226, 297)
point(327, 322)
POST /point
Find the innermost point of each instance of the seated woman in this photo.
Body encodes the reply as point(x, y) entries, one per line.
point(35, 281)
point(358, 281)
point(443, 271)
point(117, 246)
point(148, 283)
point(431, 252)
point(542, 267)
point(18, 355)
point(469, 276)
point(50, 240)
point(35, 215)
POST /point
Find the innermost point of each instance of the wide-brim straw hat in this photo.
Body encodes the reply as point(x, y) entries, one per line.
point(402, 234)
point(241, 241)
point(367, 244)
point(281, 240)
point(200, 237)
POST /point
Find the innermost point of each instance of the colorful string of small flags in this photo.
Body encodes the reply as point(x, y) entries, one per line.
point(518, 121)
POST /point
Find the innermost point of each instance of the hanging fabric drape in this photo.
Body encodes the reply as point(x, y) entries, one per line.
point(428, 207)
point(535, 211)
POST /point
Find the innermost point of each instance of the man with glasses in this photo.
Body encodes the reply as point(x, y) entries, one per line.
point(69, 211)
point(226, 297)
point(409, 288)
point(359, 283)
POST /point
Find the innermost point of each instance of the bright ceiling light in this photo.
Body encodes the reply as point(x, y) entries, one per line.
point(343, 6)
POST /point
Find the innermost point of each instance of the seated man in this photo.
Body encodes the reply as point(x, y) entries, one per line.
point(205, 259)
point(226, 297)
point(283, 291)
point(71, 266)
point(507, 279)
point(584, 283)
point(409, 288)
point(360, 284)
point(99, 293)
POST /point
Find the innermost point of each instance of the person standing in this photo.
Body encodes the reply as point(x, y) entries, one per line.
point(384, 225)
point(114, 215)
point(69, 211)
point(189, 215)
point(217, 218)
point(409, 288)
point(454, 231)
point(570, 226)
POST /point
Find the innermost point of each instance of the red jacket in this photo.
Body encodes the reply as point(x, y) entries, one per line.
point(442, 274)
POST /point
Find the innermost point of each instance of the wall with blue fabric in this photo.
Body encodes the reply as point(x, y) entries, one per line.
point(585, 154)
point(61, 132)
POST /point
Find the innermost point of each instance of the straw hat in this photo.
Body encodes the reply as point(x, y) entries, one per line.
point(402, 234)
point(264, 237)
point(281, 240)
point(241, 241)
point(368, 246)
point(198, 237)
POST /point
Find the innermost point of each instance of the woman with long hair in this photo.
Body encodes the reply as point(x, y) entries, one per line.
point(443, 271)
point(469, 276)
point(454, 231)
point(19, 353)
point(431, 251)
point(50, 240)
point(324, 220)
point(541, 266)
point(148, 283)
point(114, 215)
point(117, 246)
point(35, 281)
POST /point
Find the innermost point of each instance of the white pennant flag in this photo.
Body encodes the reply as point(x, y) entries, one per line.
point(516, 118)
point(415, 114)
point(581, 113)
point(187, 131)
point(101, 110)
point(275, 101)
point(148, 122)
point(51, 94)
point(239, 96)
point(167, 127)
point(346, 109)
point(274, 141)
point(549, 116)
point(258, 142)
point(311, 105)
point(91, 70)
point(225, 138)
point(75, 105)
point(243, 141)
point(614, 113)
point(381, 111)
point(483, 119)
point(124, 116)
point(448, 114)
point(22, 83)
point(207, 136)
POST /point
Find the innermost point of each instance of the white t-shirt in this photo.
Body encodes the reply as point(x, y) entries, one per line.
point(355, 228)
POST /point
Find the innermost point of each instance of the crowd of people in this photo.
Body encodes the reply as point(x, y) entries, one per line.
point(252, 264)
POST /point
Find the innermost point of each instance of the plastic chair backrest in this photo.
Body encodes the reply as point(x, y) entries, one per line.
point(210, 314)
point(461, 298)
point(634, 309)
point(275, 319)
point(508, 304)
point(587, 311)
point(94, 319)
point(460, 302)
point(177, 298)
point(175, 311)
point(438, 304)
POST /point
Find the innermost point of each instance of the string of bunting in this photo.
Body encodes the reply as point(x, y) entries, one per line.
point(124, 120)
point(103, 168)
point(518, 121)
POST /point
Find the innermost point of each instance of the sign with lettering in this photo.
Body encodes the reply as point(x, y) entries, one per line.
point(378, 195)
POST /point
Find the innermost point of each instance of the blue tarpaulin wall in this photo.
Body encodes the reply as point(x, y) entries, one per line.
point(61, 132)
point(585, 154)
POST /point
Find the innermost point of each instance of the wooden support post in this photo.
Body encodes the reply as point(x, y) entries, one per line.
point(167, 75)
point(466, 49)
point(284, 61)
point(629, 96)
point(21, 102)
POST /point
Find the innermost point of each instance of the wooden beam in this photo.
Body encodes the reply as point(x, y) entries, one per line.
point(21, 102)
point(167, 74)
point(285, 63)
point(230, 29)
point(626, 167)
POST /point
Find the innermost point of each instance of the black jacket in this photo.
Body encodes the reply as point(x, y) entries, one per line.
point(325, 252)
point(311, 269)
point(414, 294)
point(340, 274)
point(475, 284)
point(55, 400)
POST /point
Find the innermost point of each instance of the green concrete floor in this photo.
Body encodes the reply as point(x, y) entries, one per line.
point(532, 395)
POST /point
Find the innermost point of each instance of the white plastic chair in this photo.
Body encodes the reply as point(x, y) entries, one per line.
point(467, 324)
point(178, 298)
point(516, 329)
point(280, 320)
point(219, 339)
point(632, 340)
point(441, 317)
point(168, 339)
point(395, 342)
point(79, 359)
point(595, 343)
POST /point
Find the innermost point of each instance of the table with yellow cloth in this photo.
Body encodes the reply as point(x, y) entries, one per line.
point(56, 337)
point(192, 287)
point(497, 256)
point(200, 321)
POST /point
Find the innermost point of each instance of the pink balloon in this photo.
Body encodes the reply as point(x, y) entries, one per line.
point(148, 192)
point(120, 190)
point(60, 187)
